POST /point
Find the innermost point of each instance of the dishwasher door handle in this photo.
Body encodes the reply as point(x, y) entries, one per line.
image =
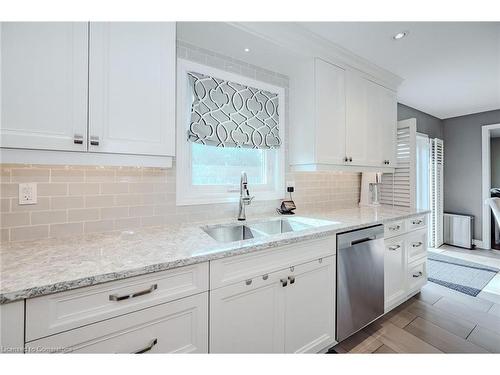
point(366, 239)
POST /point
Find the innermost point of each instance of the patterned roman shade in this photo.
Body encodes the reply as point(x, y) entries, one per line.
point(228, 114)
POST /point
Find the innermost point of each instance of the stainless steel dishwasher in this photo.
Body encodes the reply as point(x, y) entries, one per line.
point(360, 279)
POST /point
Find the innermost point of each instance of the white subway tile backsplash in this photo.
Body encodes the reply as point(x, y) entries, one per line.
point(49, 217)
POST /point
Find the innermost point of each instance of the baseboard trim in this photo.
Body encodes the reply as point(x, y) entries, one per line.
point(478, 243)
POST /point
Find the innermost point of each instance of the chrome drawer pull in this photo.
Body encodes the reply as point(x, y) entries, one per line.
point(284, 282)
point(292, 279)
point(248, 282)
point(418, 274)
point(395, 227)
point(147, 348)
point(114, 297)
point(94, 140)
point(417, 244)
point(394, 248)
point(78, 139)
point(265, 277)
point(417, 222)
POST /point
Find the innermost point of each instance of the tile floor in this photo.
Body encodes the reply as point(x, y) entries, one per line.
point(438, 319)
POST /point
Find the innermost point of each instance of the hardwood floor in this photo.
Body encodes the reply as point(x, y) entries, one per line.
point(438, 320)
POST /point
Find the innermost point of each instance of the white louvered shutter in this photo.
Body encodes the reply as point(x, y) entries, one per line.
point(436, 191)
point(399, 188)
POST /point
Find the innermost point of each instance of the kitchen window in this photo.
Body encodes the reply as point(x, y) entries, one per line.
point(214, 148)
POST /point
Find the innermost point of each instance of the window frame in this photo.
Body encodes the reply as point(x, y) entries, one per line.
point(189, 194)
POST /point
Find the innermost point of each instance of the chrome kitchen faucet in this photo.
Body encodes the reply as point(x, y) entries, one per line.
point(245, 198)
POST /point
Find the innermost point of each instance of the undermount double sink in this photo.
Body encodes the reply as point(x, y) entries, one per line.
point(239, 232)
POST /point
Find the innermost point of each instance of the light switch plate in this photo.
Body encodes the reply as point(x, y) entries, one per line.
point(27, 193)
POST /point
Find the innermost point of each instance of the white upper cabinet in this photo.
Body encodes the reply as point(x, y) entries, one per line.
point(351, 123)
point(44, 85)
point(105, 88)
point(330, 112)
point(371, 123)
point(132, 88)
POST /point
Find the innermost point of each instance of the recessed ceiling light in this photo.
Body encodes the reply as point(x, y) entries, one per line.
point(247, 50)
point(400, 35)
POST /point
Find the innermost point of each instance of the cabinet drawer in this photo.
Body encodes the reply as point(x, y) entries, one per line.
point(230, 270)
point(416, 245)
point(394, 228)
point(417, 222)
point(176, 327)
point(59, 312)
point(417, 275)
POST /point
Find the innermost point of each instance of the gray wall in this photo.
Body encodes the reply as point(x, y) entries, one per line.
point(495, 162)
point(462, 164)
point(427, 124)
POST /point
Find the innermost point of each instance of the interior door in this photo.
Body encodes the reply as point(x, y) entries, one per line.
point(132, 87)
point(44, 85)
point(247, 317)
point(310, 307)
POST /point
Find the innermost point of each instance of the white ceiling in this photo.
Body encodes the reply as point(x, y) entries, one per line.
point(449, 68)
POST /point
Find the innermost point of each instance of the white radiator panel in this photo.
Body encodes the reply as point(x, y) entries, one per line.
point(458, 230)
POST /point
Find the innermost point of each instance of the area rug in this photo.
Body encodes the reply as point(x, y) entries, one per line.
point(457, 274)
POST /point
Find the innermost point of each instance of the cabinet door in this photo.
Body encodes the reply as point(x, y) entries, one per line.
point(394, 271)
point(310, 307)
point(330, 113)
point(385, 119)
point(247, 317)
point(358, 140)
point(132, 88)
point(44, 85)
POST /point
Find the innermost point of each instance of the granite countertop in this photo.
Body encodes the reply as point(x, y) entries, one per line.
point(34, 268)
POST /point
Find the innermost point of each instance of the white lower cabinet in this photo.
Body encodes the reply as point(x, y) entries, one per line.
point(310, 307)
point(175, 327)
point(290, 310)
point(405, 260)
point(394, 270)
point(247, 317)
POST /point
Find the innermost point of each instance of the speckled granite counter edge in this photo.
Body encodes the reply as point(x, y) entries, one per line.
point(296, 237)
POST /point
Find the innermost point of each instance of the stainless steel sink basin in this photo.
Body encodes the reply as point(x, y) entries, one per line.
point(239, 232)
point(232, 233)
point(279, 226)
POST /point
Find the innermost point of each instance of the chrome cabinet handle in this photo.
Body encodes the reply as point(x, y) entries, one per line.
point(417, 244)
point(114, 297)
point(395, 227)
point(94, 140)
point(350, 159)
point(284, 282)
point(292, 279)
point(394, 247)
point(78, 139)
point(265, 277)
point(147, 348)
point(417, 222)
point(418, 274)
point(248, 282)
point(346, 159)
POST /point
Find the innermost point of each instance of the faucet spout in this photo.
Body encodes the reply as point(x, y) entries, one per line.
point(245, 198)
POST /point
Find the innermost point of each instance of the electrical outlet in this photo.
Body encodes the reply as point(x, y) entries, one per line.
point(27, 193)
point(290, 184)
